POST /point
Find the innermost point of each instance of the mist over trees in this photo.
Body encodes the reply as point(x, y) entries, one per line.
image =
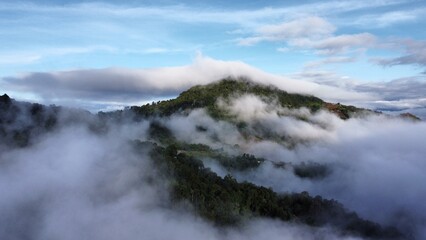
point(221, 161)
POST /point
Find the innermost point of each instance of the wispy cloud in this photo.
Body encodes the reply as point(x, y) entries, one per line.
point(330, 60)
point(313, 33)
point(387, 19)
point(341, 43)
point(16, 58)
point(191, 14)
point(414, 54)
point(7, 58)
point(301, 30)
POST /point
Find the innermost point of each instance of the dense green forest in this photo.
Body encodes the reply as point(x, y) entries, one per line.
point(224, 201)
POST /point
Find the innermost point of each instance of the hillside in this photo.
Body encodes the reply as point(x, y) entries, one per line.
point(203, 171)
point(206, 96)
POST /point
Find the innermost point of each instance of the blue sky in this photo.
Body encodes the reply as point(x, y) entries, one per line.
point(337, 43)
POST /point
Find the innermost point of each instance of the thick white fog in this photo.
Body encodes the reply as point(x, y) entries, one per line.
point(77, 184)
point(377, 163)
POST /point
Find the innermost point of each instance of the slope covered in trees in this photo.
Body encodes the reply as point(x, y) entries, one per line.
point(220, 199)
point(224, 201)
point(206, 96)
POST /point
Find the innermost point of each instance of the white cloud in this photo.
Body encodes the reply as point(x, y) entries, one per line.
point(330, 60)
point(376, 164)
point(311, 33)
point(398, 95)
point(415, 53)
point(185, 13)
point(306, 28)
point(137, 85)
point(285, 122)
point(75, 184)
point(341, 43)
point(388, 19)
point(18, 58)
point(28, 57)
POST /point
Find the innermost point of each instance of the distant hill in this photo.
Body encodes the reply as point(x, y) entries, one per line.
point(22, 122)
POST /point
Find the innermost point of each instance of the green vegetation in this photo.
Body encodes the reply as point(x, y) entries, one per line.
point(207, 95)
point(164, 136)
point(311, 170)
point(224, 201)
point(240, 163)
point(20, 121)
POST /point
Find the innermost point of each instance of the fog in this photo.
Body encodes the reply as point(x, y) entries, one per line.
point(377, 162)
point(75, 183)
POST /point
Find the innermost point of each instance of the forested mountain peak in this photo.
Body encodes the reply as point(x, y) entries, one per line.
point(207, 96)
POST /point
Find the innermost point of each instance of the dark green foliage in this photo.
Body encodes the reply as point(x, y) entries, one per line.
point(20, 121)
point(239, 163)
point(5, 99)
point(160, 133)
point(207, 95)
point(163, 135)
point(196, 147)
point(311, 170)
point(225, 201)
point(200, 128)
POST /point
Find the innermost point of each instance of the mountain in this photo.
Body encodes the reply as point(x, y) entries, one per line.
point(186, 165)
point(206, 96)
point(21, 122)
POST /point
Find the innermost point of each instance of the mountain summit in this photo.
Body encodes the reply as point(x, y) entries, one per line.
point(206, 96)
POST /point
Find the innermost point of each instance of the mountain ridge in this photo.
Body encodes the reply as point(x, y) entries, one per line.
point(205, 96)
point(221, 200)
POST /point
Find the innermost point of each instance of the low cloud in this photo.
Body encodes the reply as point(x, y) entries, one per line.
point(112, 86)
point(395, 96)
point(376, 162)
point(75, 184)
point(266, 114)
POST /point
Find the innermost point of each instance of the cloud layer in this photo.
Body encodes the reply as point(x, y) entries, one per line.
point(76, 184)
point(112, 88)
point(376, 163)
point(133, 86)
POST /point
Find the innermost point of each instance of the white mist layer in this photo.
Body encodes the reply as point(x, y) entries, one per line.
point(74, 184)
point(378, 163)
